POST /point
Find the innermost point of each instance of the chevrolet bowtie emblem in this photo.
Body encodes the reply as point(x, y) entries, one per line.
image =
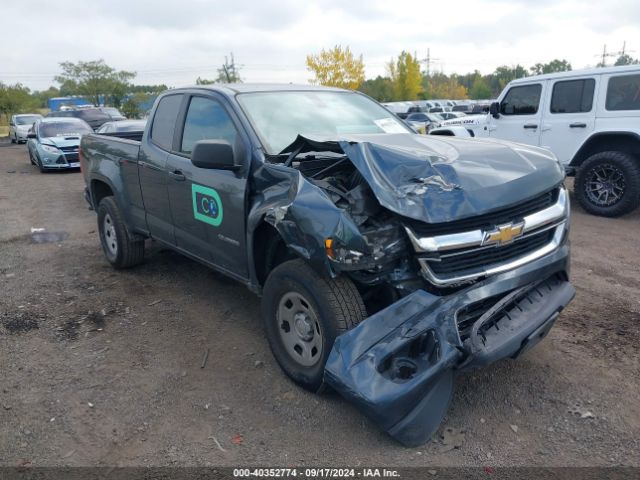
point(503, 234)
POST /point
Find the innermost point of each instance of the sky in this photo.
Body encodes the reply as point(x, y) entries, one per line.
point(174, 42)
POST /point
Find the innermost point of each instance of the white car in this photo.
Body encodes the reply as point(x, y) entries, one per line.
point(19, 126)
point(590, 119)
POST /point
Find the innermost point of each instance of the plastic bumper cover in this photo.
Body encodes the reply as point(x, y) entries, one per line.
point(398, 366)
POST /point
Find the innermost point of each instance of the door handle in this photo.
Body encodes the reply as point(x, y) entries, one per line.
point(530, 125)
point(177, 175)
point(578, 125)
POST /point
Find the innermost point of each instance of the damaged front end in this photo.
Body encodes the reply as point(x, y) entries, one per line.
point(398, 366)
point(452, 278)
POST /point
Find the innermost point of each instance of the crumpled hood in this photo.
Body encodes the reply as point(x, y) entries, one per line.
point(63, 141)
point(439, 179)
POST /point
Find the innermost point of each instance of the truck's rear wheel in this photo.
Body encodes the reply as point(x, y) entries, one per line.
point(608, 184)
point(303, 313)
point(121, 250)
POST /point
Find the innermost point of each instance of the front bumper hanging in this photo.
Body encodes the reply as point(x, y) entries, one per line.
point(398, 366)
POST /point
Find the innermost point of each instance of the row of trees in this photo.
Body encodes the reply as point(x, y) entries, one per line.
point(100, 83)
point(339, 67)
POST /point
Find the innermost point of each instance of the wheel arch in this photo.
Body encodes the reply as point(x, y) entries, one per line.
point(98, 189)
point(627, 142)
point(268, 250)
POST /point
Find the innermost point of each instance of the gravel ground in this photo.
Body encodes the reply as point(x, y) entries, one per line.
point(105, 368)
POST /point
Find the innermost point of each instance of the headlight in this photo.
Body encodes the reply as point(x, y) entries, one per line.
point(50, 149)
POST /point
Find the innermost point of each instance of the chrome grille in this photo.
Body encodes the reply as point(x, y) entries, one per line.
point(465, 256)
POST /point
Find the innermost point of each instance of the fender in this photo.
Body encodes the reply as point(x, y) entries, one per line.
point(452, 131)
point(631, 140)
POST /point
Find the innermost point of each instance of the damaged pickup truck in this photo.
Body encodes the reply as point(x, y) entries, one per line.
point(386, 261)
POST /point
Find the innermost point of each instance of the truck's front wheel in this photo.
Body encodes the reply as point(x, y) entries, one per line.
point(303, 314)
point(121, 250)
point(608, 184)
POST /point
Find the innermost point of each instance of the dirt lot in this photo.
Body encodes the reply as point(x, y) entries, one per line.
point(102, 367)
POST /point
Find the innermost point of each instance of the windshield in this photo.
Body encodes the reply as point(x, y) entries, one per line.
point(63, 129)
point(89, 115)
point(111, 111)
point(279, 117)
point(26, 119)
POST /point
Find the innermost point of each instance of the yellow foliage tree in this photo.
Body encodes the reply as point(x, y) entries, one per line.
point(337, 67)
point(405, 76)
point(443, 86)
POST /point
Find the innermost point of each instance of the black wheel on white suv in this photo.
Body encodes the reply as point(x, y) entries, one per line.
point(608, 184)
point(303, 313)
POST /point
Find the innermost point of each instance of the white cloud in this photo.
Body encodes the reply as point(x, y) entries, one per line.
point(175, 42)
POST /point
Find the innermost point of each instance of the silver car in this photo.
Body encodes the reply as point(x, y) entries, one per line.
point(19, 125)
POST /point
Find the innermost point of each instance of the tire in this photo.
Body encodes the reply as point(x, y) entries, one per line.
point(121, 250)
point(620, 173)
point(301, 311)
point(39, 164)
point(13, 139)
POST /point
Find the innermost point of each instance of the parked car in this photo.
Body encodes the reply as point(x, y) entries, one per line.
point(590, 119)
point(455, 251)
point(93, 116)
point(450, 115)
point(479, 108)
point(122, 126)
point(401, 109)
point(113, 112)
point(424, 121)
point(53, 142)
point(19, 126)
point(462, 107)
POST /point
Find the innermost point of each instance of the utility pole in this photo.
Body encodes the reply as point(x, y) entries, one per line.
point(604, 54)
point(428, 61)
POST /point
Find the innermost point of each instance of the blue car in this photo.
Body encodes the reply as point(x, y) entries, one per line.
point(53, 143)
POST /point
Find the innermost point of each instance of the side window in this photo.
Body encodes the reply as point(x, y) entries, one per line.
point(522, 100)
point(623, 93)
point(207, 120)
point(164, 121)
point(573, 96)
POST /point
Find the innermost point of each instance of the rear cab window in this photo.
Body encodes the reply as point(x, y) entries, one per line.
point(572, 96)
point(164, 121)
point(521, 100)
point(623, 93)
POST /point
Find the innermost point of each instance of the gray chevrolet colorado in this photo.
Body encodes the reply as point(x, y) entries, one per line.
point(386, 261)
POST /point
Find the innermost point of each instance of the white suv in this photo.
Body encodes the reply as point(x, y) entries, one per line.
point(590, 119)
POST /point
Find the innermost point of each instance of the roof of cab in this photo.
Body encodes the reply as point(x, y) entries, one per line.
point(233, 88)
point(579, 73)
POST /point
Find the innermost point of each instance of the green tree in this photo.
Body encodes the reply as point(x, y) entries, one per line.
point(479, 88)
point(42, 96)
point(503, 75)
point(626, 60)
point(337, 67)
point(94, 78)
point(551, 67)
point(379, 88)
point(16, 99)
point(406, 77)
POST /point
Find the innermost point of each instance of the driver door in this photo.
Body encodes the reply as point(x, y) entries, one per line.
point(208, 205)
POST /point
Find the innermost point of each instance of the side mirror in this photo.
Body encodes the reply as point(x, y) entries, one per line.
point(213, 154)
point(31, 135)
point(494, 109)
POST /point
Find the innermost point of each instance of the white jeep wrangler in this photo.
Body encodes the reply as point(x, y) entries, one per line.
point(590, 119)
